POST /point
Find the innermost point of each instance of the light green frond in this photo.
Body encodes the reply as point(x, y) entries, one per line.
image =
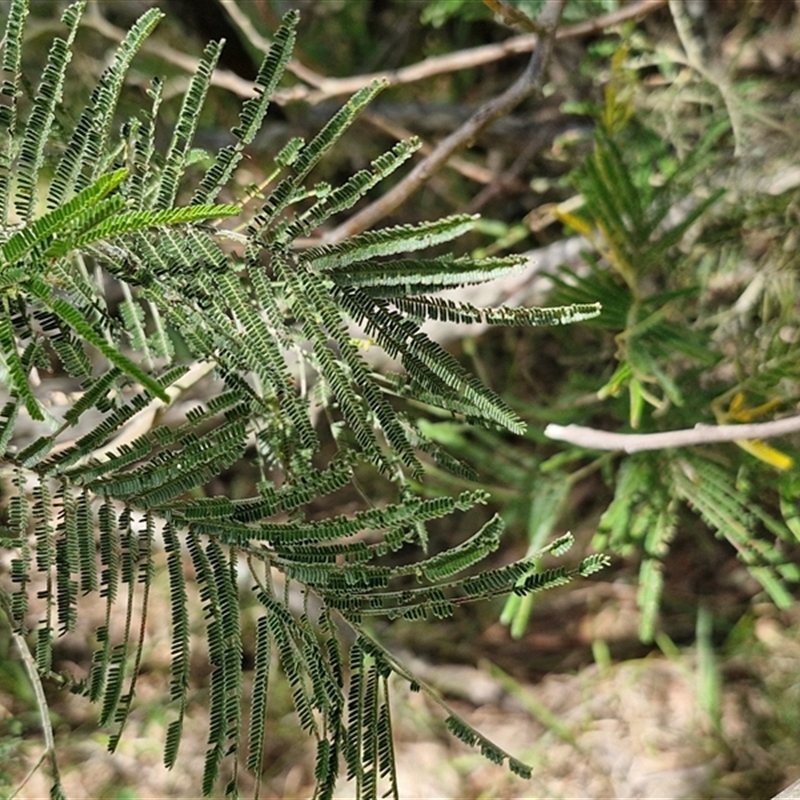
point(728, 511)
point(116, 224)
point(8, 417)
point(17, 369)
point(388, 242)
point(403, 277)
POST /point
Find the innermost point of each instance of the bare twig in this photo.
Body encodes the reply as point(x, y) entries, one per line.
point(44, 713)
point(530, 82)
point(466, 168)
point(700, 434)
point(714, 74)
point(507, 180)
point(243, 23)
point(465, 59)
point(512, 17)
point(321, 88)
point(41, 700)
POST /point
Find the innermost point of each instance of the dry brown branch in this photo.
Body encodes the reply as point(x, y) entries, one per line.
point(524, 87)
point(466, 168)
point(242, 22)
point(511, 16)
point(508, 180)
point(325, 88)
point(529, 83)
point(700, 434)
point(321, 88)
point(462, 59)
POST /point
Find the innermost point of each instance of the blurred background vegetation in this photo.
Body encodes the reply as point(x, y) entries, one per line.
point(668, 142)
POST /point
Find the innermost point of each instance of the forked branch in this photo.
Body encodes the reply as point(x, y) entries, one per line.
point(529, 83)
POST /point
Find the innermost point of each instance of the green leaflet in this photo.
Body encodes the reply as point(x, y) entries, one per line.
point(95, 497)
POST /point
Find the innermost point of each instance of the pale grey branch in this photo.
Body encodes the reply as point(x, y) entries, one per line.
point(700, 434)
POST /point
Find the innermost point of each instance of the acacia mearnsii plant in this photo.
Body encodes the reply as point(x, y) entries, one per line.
point(118, 278)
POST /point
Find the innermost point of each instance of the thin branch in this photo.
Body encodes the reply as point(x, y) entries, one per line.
point(44, 713)
point(529, 83)
point(28, 660)
point(511, 16)
point(700, 434)
point(474, 172)
point(246, 27)
point(508, 180)
point(466, 59)
point(322, 88)
point(693, 48)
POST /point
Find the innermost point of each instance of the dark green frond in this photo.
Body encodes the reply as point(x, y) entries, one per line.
point(311, 153)
point(184, 131)
point(428, 364)
point(463, 556)
point(75, 320)
point(9, 93)
point(137, 304)
point(349, 193)
point(179, 680)
point(38, 127)
point(393, 516)
point(438, 308)
point(84, 159)
point(258, 702)
point(253, 112)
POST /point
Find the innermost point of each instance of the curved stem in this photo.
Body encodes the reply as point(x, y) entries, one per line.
point(687, 437)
